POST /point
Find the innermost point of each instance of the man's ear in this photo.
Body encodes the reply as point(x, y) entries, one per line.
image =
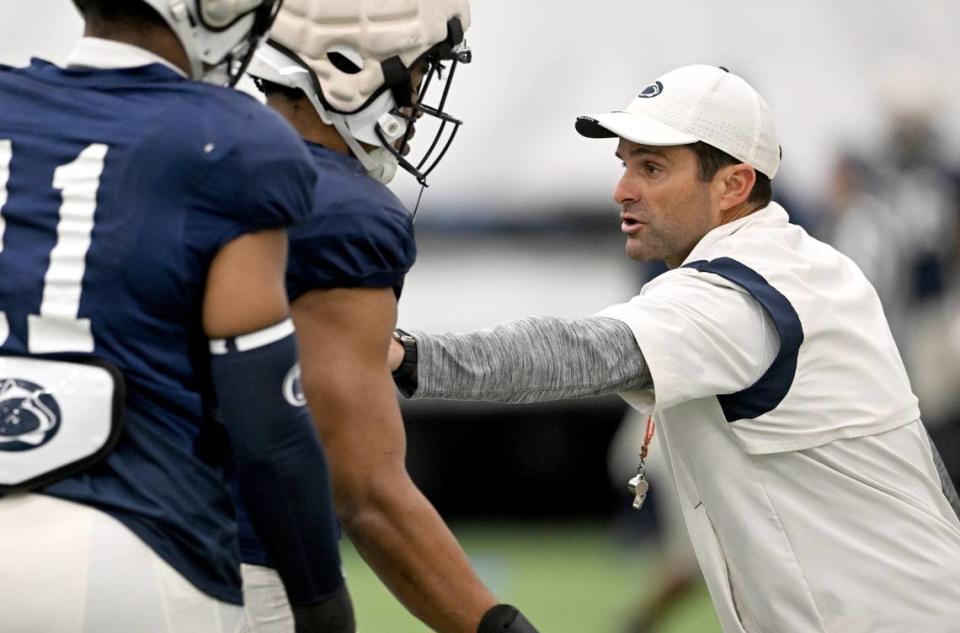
point(735, 182)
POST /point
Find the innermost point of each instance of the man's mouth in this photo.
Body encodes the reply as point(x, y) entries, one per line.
point(629, 224)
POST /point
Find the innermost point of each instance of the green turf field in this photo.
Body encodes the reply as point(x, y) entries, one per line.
point(568, 578)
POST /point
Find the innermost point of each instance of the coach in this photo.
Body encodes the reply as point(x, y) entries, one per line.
point(809, 486)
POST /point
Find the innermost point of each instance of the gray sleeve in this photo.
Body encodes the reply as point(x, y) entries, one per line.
point(531, 360)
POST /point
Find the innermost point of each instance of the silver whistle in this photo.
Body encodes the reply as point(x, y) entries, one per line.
point(638, 487)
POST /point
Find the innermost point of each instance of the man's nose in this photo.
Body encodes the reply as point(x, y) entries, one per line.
point(625, 192)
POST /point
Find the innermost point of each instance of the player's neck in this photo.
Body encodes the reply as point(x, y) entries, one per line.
point(158, 40)
point(303, 117)
point(329, 138)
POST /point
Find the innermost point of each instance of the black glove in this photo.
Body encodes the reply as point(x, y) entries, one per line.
point(333, 614)
point(504, 618)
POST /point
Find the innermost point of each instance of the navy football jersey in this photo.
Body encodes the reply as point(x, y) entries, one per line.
point(359, 235)
point(117, 188)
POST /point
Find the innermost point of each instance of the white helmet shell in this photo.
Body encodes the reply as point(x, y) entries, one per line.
point(353, 60)
point(366, 32)
point(216, 33)
point(275, 66)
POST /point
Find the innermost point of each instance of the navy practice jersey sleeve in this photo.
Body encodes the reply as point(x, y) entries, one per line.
point(245, 167)
point(256, 172)
point(359, 235)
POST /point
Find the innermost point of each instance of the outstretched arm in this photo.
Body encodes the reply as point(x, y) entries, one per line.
point(345, 335)
point(529, 360)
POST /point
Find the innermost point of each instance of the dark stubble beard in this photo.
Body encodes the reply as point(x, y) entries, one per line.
point(673, 241)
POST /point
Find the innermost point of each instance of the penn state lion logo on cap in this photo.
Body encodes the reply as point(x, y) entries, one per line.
point(29, 416)
point(652, 90)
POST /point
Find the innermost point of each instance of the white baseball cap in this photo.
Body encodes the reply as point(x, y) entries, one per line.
point(696, 103)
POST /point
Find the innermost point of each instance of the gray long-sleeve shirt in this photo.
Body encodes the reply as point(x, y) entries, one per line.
point(531, 360)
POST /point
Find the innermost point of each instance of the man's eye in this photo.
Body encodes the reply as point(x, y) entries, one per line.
point(651, 168)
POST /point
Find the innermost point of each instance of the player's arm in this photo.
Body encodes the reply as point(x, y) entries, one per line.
point(278, 460)
point(245, 286)
point(345, 334)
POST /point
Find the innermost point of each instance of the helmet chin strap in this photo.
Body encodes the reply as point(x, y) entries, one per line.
point(380, 164)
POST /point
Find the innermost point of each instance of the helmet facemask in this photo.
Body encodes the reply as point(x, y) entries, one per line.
point(424, 115)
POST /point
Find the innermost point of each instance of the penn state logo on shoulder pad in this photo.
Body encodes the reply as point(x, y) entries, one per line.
point(652, 90)
point(293, 388)
point(58, 416)
point(29, 415)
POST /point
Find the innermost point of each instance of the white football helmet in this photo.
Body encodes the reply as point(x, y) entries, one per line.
point(219, 36)
point(353, 59)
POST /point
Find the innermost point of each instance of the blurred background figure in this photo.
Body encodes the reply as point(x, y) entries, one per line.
point(863, 224)
point(894, 208)
point(894, 202)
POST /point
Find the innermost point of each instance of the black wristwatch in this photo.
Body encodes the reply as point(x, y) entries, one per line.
point(405, 376)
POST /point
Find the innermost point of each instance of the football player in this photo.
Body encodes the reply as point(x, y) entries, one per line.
point(353, 78)
point(142, 258)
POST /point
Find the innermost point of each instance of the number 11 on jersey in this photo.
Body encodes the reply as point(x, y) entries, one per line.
point(57, 327)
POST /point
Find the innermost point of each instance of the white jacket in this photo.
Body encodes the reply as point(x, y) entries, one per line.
point(806, 478)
